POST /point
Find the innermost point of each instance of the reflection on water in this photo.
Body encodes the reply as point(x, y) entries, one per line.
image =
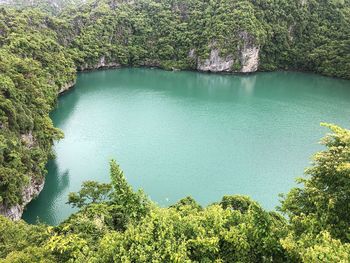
point(66, 107)
point(54, 192)
point(187, 133)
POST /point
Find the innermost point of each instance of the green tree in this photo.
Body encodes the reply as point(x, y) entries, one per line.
point(91, 192)
point(324, 201)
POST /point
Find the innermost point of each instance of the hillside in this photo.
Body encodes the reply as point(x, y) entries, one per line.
point(218, 36)
point(42, 46)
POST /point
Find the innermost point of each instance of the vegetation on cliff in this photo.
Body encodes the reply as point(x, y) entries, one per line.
point(40, 52)
point(32, 68)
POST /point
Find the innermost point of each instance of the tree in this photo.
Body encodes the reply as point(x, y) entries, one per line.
point(324, 202)
point(91, 192)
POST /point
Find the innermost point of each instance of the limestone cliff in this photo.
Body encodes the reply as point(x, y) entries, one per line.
point(215, 63)
point(248, 53)
point(35, 185)
point(247, 57)
point(29, 192)
point(66, 86)
point(102, 63)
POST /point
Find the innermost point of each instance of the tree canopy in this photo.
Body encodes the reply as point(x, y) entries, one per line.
point(117, 224)
point(41, 50)
point(42, 45)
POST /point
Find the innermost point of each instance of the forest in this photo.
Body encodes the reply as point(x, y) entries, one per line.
point(43, 46)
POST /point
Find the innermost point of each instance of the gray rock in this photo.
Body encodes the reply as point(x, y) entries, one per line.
point(215, 63)
point(247, 55)
point(102, 63)
point(66, 86)
point(30, 191)
point(249, 59)
point(28, 139)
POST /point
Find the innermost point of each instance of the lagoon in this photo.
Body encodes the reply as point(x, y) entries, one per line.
point(177, 134)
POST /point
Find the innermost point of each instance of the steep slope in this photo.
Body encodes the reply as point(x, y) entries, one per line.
point(41, 52)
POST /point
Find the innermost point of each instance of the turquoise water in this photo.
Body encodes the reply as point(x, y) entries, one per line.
point(185, 133)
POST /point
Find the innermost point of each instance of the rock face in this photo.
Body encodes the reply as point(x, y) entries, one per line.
point(215, 63)
point(249, 59)
point(32, 190)
point(29, 192)
point(100, 64)
point(66, 87)
point(249, 53)
point(36, 186)
point(28, 139)
point(247, 56)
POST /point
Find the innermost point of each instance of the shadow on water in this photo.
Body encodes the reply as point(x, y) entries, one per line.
point(172, 131)
point(66, 105)
point(56, 181)
point(44, 205)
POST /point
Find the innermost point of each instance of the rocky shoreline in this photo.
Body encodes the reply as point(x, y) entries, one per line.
point(31, 191)
point(248, 59)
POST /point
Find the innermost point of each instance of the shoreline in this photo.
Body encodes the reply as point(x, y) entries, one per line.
point(32, 191)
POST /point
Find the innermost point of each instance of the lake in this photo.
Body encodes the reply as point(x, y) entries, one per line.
point(178, 134)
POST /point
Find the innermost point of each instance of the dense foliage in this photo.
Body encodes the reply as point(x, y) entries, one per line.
point(40, 53)
point(32, 68)
point(302, 35)
point(42, 46)
point(116, 224)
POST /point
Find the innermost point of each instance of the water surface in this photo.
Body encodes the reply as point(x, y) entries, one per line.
point(185, 133)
